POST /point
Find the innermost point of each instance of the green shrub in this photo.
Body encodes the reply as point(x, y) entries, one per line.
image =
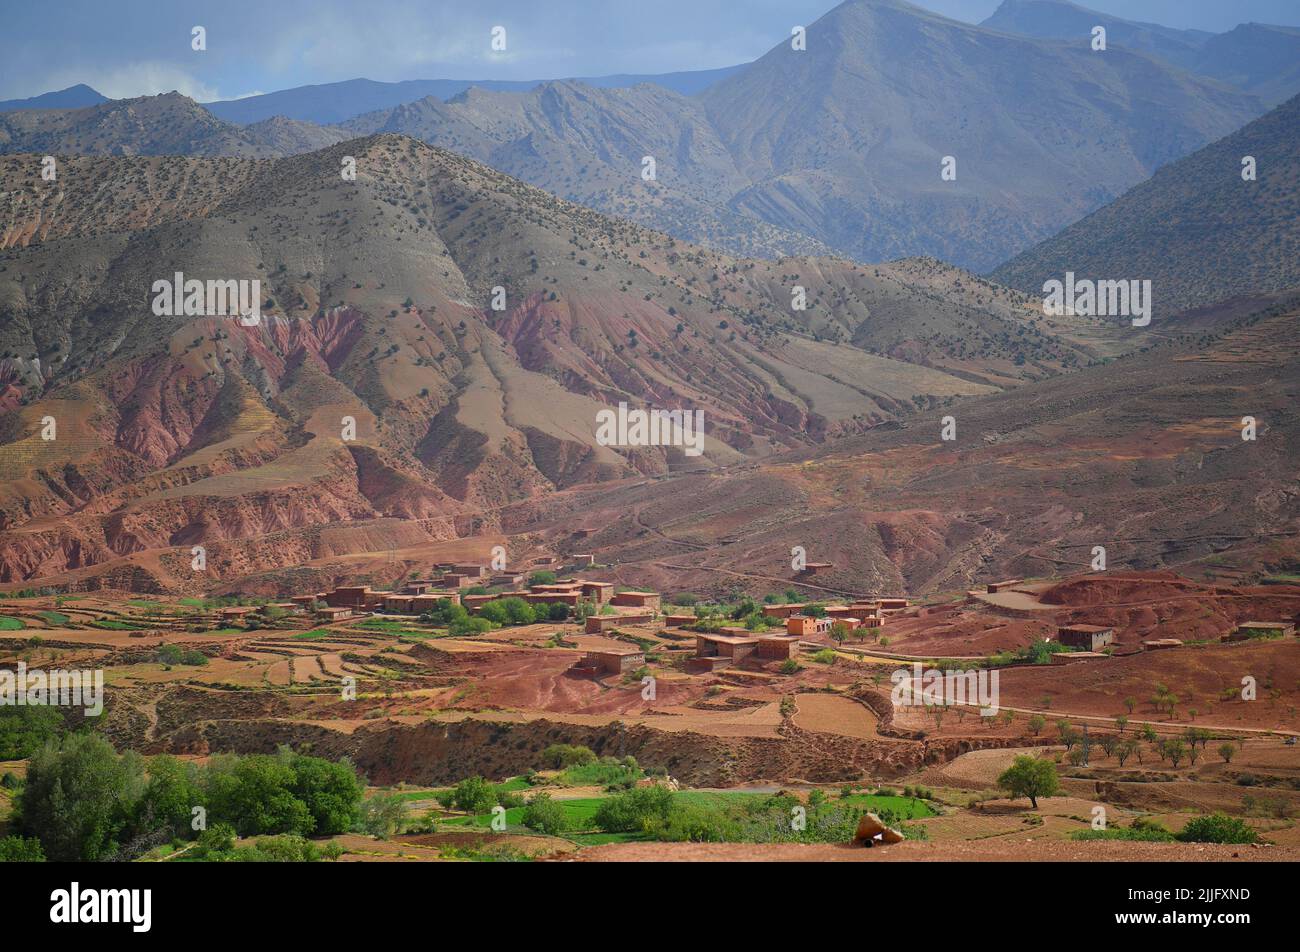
point(474, 795)
point(16, 849)
point(634, 811)
point(1217, 828)
point(563, 756)
point(545, 815)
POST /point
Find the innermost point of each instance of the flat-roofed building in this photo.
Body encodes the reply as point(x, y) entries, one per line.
point(1155, 644)
point(473, 603)
point(637, 599)
point(777, 647)
point(598, 623)
point(1087, 637)
point(354, 596)
point(995, 587)
point(598, 592)
point(817, 568)
point(400, 604)
point(427, 602)
point(550, 598)
point(679, 620)
point(784, 609)
point(612, 661)
point(334, 613)
point(806, 625)
point(1262, 629)
point(735, 647)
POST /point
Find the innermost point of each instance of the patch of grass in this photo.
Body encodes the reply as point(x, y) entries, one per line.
point(11, 624)
point(907, 807)
point(58, 619)
point(316, 634)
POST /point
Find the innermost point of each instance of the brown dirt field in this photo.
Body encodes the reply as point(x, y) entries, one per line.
point(1197, 674)
point(833, 714)
point(978, 769)
point(307, 670)
point(280, 673)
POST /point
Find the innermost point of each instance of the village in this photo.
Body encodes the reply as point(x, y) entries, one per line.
point(613, 622)
point(460, 674)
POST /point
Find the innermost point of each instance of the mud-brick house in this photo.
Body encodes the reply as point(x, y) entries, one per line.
point(334, 613)
point(817, 568)
point(806, 625)
point(1087, 637)
point(1262, 629)
point(598, 623)
point(777, 647)
point(649, 600)
point(611, 661)
point(784, 610)
point(473, 603)
point(599, 592)
point(995, 587)
point(359, 597)
point(733, 647)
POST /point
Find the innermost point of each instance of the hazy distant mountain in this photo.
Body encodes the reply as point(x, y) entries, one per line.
point(74, 97)
point(169, 124)
point(1196, 229)
point(336, 102)
point(836, 149)
point(1261, 59)
point(587, 145)
point(1058, 19)
point(844, 141)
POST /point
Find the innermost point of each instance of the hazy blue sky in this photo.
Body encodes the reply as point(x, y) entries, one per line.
point(138, 47)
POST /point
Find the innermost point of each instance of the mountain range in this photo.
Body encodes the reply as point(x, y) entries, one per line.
point(377, 307)
point(1259, 58)
point(837, 149)
point(1198, 229)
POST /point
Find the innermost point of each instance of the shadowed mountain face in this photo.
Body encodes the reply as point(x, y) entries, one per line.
point(838, 148)
point(377, 320)
point(1196, 229)
point(1255, 57)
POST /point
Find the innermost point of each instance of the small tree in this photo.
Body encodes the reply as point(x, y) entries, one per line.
point(1121, 722)
point(1036, 724)
point(1226, 751)
point(1030, 777)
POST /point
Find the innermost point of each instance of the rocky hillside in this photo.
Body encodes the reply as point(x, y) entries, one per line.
point(376, 317)
point(1197, 230)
